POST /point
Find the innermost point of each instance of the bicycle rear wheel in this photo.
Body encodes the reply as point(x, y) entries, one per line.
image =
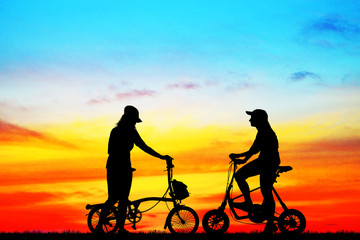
point(110, 223)
point(182, 219)
point(292, 221)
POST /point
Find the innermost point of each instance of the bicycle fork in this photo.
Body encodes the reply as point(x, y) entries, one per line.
point(283, 205)
point(168, 220)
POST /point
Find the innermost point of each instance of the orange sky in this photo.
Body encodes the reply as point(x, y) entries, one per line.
point(192, 68)
point(51, 177)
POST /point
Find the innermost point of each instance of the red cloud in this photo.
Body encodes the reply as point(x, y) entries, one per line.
point(25, 198)
point(348, 144)
point(12, 133)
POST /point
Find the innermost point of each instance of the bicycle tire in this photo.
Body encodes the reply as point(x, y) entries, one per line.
point(292, 221)
point(215, 221)
point(111, 222)
point(187, 223)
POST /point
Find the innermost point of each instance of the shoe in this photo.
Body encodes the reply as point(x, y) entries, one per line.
point(270, 228)
point(99, 229)
point(123, 233)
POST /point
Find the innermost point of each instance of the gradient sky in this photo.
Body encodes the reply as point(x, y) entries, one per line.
point(192, 68)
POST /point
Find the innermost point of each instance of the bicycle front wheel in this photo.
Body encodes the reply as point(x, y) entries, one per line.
point(109, 224)
point(215, 221)
point(183, 219)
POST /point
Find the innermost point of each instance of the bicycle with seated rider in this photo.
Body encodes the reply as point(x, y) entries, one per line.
point(181, 218)
point(290, 221)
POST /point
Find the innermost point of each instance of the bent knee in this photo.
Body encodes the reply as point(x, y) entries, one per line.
point(239, 177)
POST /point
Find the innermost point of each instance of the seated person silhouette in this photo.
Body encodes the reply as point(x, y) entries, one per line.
point(119, 170)
point(265, 165)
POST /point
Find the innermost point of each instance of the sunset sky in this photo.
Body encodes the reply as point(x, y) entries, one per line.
point(192, 68)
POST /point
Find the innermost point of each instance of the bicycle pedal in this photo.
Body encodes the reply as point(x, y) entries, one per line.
point(242, 206)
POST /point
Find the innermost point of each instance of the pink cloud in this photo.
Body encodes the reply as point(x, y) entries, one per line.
point(183, 85)
point(98, 101)
point(135, 93)
point(122, 95)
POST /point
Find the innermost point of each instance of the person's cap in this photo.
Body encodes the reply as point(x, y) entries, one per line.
point(132, 113)
point(258, 113)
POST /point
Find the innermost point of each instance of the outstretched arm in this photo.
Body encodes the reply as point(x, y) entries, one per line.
point(142, 145)
point(255, 148)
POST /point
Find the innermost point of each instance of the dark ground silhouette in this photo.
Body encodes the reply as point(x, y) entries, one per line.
point(168, 236)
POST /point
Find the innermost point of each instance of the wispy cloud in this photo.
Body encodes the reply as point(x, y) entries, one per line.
point(135, 93)
point(32, 198)
point(335, 24)
point(331, 31)
point(122, 95)
point(12, 133)
point(240, 85)
point(352, 79)
point(183, 85)
point(332, 145)
point(101, 100)
point(302, 75)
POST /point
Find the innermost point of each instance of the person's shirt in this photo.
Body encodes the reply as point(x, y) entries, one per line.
point(121, 142)
point(267, 144)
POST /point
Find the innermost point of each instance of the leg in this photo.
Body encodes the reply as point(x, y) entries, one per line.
point(112, 198)
point(268, 202)
point(119, 184)
point(124, 197)
point(248, 170)
point(266, 184)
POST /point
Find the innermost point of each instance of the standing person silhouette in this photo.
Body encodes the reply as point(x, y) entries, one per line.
point(119, 170)
point(265, 165)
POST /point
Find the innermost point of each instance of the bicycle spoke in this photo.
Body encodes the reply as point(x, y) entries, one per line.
point(183, 221)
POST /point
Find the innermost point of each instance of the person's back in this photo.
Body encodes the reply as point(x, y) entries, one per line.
point(268, 147)
point(266, 144)
point(121, 142)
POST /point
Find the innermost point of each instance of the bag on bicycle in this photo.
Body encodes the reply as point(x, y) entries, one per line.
point(180, 190)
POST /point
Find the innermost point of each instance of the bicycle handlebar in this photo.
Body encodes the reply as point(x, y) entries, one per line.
point(169, 163)
point(237, 161)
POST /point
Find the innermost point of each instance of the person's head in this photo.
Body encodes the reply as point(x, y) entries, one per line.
point(130, 116)
point(258, 118)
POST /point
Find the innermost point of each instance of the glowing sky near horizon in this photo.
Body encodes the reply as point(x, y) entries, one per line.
point(192, 68)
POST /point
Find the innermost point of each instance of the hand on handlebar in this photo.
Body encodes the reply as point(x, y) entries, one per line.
point(166, 157)
point(234, 158)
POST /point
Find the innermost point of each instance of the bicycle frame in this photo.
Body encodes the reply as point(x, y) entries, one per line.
point(136, 203)
point(290, 221)
point(181, 218)
point(229, 200)
point(133, 213)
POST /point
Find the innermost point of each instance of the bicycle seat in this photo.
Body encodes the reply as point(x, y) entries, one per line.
point(284, 169)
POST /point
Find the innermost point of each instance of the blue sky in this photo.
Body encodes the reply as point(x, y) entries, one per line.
point(80, 53)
